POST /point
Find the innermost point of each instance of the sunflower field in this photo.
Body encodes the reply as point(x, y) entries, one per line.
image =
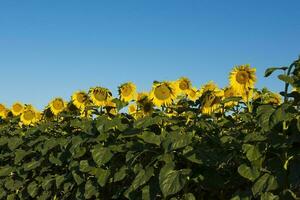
point(173, 142)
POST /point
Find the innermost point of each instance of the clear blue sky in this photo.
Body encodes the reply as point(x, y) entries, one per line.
point(52, 48)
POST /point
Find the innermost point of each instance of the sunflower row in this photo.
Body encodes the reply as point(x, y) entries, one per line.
point(163, 95)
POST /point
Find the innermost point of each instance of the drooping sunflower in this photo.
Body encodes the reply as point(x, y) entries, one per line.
point(127, 92)
point(230, 92)
point(100, 96)
point(275, 99)
point(211, 97)
point(183, 85)
point(80, 99)
point(30, 115)
point(142, 96)
point(2, 107)
point(4, 113)
point(57, 105)
point(193, 94)
point(17, 108)
point(163, 93)
point(242, 79)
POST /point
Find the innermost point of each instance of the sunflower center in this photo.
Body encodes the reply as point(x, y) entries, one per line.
point(147, 107)
point(242, 77)
point(17, 107)
point(81, 98)
point(100, 95)
point(183, 85)
point(162, 92)
point(126, 91)
point(58, 104)
point(29, 115)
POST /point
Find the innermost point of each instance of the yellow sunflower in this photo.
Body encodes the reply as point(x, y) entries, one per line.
point(100, 96)
point(193, 94)
point(17, 109)
point(230, 92)
point(2, 107)
point(30, 116)
point(242, 79)
point(80, 99)
point(163, 93)
point(183, 85)
point(211, 98)
point(127, 92)
point(142, 96)
point(273, 98)
point(132, 108)
point(57, 105)
point(4, 113)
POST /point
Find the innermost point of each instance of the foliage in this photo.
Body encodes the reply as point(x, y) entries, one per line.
point(248, 150)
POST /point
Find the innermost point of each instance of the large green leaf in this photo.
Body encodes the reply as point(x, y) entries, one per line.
point(265, 183)
point(172, 181)
point(32, 189)
point(5, 171)
point(250, 173)
point(101, 155)
point(90, 190)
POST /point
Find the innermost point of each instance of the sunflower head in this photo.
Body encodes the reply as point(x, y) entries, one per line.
point(132, 108)
point(80, 99)
point(230, 92)
point(163, 93)
point(30, 116)
point(127, 92)
point(211, 97)
point(142, 96)
point(4, 113)
point(2, 107)
point(57, 105)
point(242, 78)
point(17, 108)
point(193, 94)
point(208, 87)
point(183, 84)
point(100, 96)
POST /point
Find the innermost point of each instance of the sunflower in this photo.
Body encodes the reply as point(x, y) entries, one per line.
point(80, 99)
point(273, 98)
point(30, 116)
point(211, 97)
point(100, 96)
point(127, 92)
point(142, 96)
point(242, 79)
point(183, 84)
point(163, 93)
point(4, 113)
point(57, 105)
point(17, 109)
point(132, 109)
point(193, 94)
point(2, 107)
point(230, 92)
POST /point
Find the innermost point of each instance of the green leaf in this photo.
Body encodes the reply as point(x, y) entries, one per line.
point(270, 70)
point(189, 196)
point(150, 137)
point(120, 174)
point(5, 171)
point(77, 178)
point(20, 154)
point(265, 183)
point(248, 172)
point(172, 181)
point(102, 175)
point(84, 166)
point(59, 179)
point(31, 165)
point(14, 142)
point(90, 190)
point(269, 196)
point(252, 152)
point(101, 155)
point(286, 78)
point(32, 189)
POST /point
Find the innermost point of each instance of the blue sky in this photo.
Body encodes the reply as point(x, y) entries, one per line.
point(53, 48)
